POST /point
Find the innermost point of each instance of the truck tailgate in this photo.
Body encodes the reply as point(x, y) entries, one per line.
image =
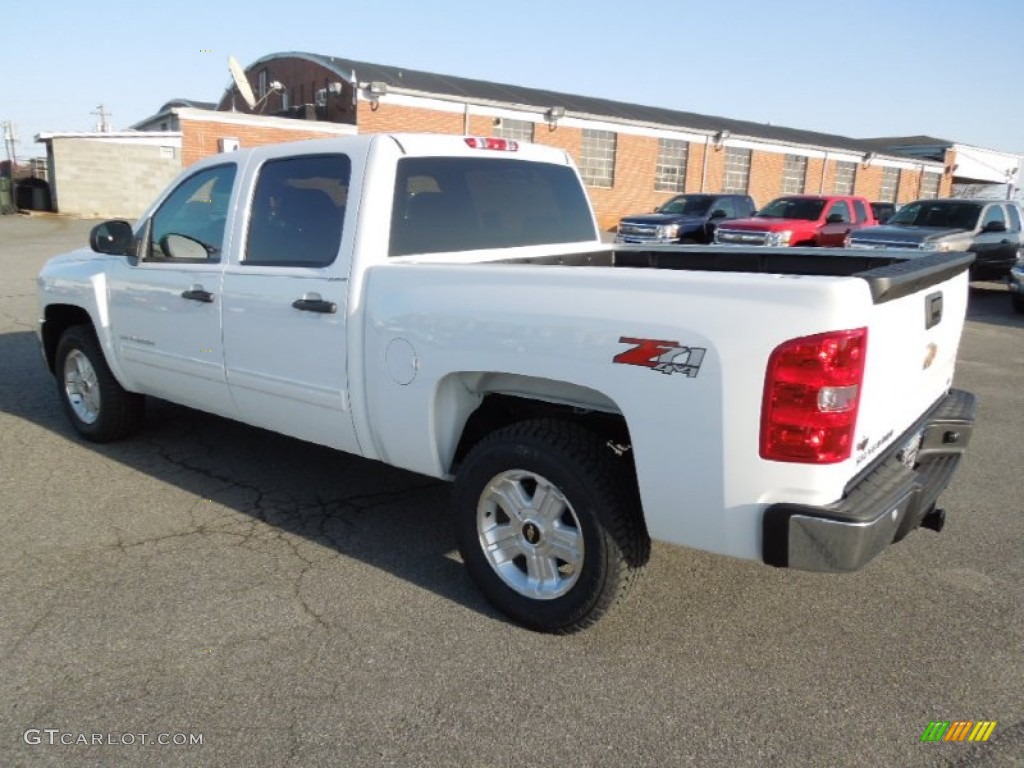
point(913, 337)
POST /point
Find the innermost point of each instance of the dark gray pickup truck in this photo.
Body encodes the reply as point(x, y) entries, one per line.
point(990, 229)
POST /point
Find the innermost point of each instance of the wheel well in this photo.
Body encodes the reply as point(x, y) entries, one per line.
point(58, 318)
point(498, 411)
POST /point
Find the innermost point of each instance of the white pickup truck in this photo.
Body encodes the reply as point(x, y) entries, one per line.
point(445, 305)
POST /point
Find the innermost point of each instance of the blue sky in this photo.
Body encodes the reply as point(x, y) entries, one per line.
point(863, 68)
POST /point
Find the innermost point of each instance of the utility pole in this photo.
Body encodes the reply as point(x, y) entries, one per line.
point(103, 126)
point(10, 137)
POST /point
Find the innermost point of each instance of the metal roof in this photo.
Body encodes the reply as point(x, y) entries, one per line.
point(463, 88)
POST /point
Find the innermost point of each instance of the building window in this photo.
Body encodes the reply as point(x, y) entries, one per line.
point(794, 175)
point(737, 170)
point(261, 84)
point(930, 185)
point(846, 177)
point(890, 184)
point(670, 173)
point(518, 130)
point(597, 158)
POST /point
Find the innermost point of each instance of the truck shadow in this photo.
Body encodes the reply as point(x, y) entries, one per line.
point(989, 302)
point(388, 518)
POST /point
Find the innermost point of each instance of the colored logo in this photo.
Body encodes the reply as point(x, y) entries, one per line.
point(958, 730)
point(662, 356)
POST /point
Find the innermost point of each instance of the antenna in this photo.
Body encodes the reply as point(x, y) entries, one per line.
point(241, 81)
point(103, 126)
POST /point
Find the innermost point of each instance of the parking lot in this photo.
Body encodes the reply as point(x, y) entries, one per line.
point(293, 606)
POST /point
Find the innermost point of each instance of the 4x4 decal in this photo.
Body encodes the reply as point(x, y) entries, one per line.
point(663, 356)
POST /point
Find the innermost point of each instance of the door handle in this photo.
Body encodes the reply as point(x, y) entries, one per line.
point(312, 302)
point(196, 293)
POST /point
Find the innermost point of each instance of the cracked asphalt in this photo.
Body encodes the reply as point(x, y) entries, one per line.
point(298, 607)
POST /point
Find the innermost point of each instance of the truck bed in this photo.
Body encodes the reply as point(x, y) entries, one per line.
point(890, 274)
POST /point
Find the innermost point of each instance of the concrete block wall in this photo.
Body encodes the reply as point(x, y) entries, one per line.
point(102, 178)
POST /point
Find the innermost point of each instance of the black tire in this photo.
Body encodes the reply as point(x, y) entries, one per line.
point(602, 513)
point(1017, 301)
point(118, 413)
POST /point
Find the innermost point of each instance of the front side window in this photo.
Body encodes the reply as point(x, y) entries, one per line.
point(189, 225)
point(840, 209)
point(726, 204)
point(670, 172)
point(1014, 217)
point(298, 209)
point(597, 158)
point(737, 170)
point(992, 214)
point(444, 204)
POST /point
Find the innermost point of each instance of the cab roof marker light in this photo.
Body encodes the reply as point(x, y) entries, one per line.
point(502, 145)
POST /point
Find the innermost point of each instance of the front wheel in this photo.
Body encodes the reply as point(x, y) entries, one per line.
point(99, 408)
point(548, 524)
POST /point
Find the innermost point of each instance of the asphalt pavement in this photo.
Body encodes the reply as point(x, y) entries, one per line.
point(253, 600)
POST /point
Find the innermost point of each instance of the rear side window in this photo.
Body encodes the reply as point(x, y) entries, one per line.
point(861, 210)
point(463, 204)
point(298, 208)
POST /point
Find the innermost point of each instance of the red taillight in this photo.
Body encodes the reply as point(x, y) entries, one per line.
point(504, 145)
point(811, 397)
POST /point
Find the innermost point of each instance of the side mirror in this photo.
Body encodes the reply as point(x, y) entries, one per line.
point(994, 226)
point(184, 247)
point(114, 237)
point(718, 213)
point(834, 218)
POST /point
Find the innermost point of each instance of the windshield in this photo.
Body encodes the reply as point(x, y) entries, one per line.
point(793, 208)
point(688, 205)
point(944, 215)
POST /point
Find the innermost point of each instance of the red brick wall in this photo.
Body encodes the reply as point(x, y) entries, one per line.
point(395, 118)
point(765, 176)
point(869, 182)
point(199, 138)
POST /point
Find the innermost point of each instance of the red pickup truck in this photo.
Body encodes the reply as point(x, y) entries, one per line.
point(823, 220)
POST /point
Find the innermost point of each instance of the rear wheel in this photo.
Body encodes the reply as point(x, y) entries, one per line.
point(99, 408)
point(548, 524)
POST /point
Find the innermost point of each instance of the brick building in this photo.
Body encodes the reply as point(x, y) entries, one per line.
point(632, 157)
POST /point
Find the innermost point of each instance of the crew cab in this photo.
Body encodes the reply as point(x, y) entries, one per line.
point(800, 220)
point(989, 229)
point(444, 304)
point(690, 218)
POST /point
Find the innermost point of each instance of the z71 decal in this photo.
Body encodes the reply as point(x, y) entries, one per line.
point(663, 356)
